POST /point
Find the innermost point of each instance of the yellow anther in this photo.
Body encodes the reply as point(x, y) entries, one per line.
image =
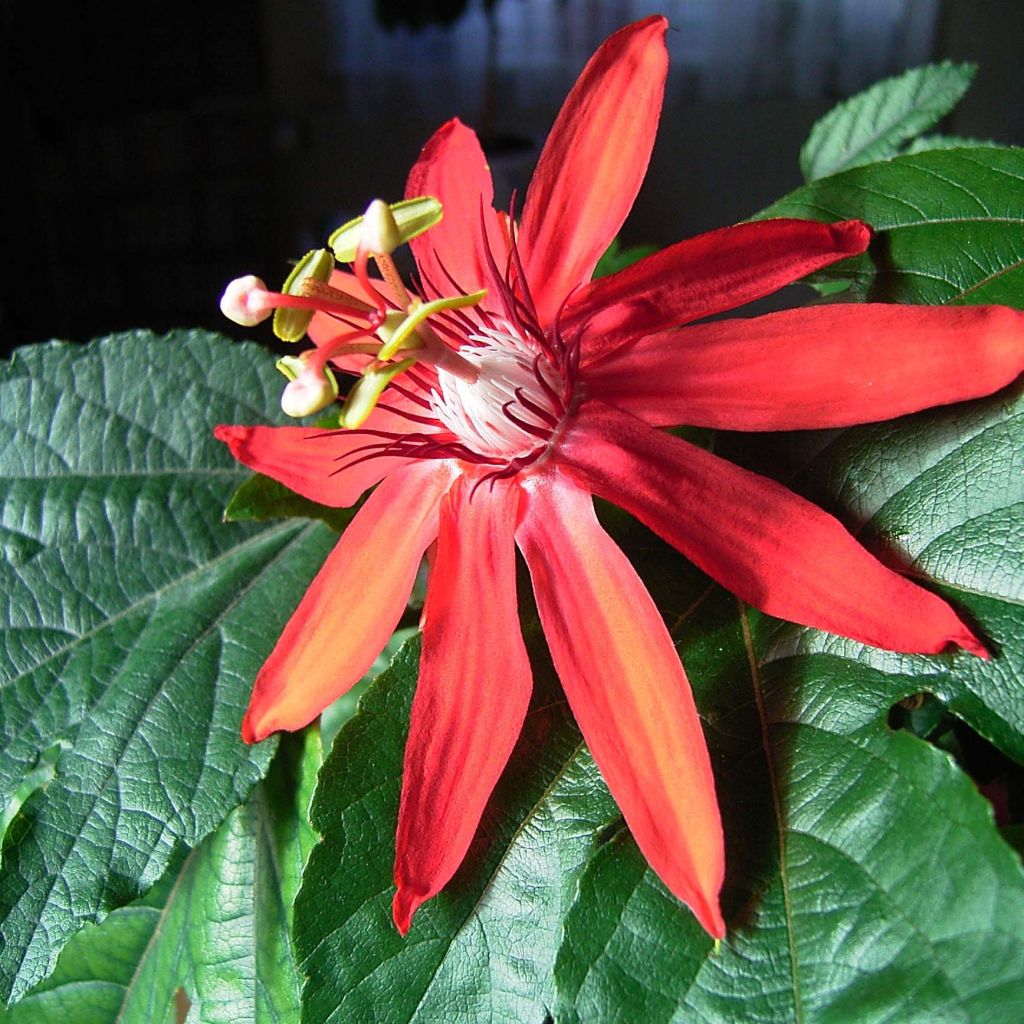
point(291, 324)
point(411, 217)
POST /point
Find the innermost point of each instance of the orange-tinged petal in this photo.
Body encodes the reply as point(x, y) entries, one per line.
point(821, 366)
point(319, 465)
point(593, 162)
point(352, 606)
point(769, 546)
point(627, 689)
point(452, 168)
point(472, 694)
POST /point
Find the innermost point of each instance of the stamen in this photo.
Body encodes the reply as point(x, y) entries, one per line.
point(291, 318)
point(388, 270)
point(365, 392)
point(418, 316)
point(313, 289)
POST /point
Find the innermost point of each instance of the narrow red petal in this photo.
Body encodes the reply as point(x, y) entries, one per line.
point(452, 168)
point(352, 606)
point(627, 689)
point(708, 274)
point(320, 466)
point(772, 548)
point(821, 366)
point(472, 694)
point(593, 162)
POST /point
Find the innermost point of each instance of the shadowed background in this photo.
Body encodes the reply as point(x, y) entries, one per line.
point(156, 151)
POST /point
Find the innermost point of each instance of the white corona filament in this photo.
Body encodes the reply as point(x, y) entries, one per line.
point(476, 412)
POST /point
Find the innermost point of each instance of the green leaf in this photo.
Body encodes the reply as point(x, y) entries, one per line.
point(134, 621)
point(214, 932)
point(874, 124)
point(867, 892)
point(617, 257)
point(484, 948)
point(260, 499)
point(949, 226)
point(40, 776)
point(866, 879)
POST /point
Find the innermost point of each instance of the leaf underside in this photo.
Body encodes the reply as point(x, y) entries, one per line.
point(874, 124)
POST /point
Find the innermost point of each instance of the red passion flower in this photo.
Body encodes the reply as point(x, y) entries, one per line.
point(524, 388)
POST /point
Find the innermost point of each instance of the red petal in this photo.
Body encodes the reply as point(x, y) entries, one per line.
point(708, 274)
point(767, 545)
point(316, 464)
point(823, 366)
point(472, 695)
point(627, 689)
point(593, 162)
point(453, 169)
point(352, 606)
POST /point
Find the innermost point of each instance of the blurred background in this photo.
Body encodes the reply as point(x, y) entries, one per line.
point(156, 151)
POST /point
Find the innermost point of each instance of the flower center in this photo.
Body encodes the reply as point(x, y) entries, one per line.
point(515, 404)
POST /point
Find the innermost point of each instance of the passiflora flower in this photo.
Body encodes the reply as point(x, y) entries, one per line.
point(505, 391)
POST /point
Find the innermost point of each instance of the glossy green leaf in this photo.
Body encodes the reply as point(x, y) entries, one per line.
point(874, 124)
point(261, 499)
point(949, 226)
point(213, 933)
point(484, 948)
point(134, 620)
point(867, 893)
point(866, 879)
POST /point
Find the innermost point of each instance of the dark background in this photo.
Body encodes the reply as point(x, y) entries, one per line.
point(153, 152)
